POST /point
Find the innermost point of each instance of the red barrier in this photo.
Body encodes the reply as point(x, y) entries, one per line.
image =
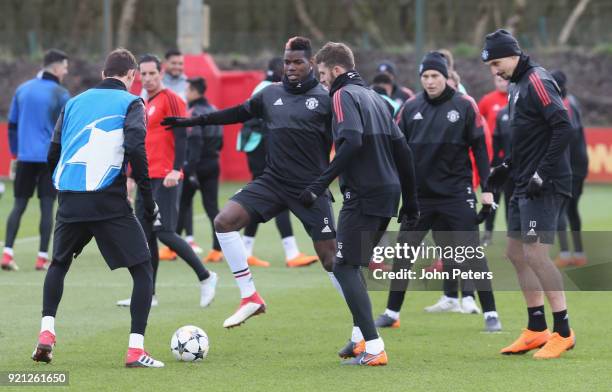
point(5, 152)
point(599, 147)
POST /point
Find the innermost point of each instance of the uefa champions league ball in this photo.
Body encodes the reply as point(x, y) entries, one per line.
point(189, 344)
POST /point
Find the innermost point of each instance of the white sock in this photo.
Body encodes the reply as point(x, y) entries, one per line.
point(394, 315)
point(579, 254)
point(189, 238)
point(236, 256)
point(136, 341)
point(335, 283)
point(291, 248)
point(44, 255)
point(375, 346)
point(48, 324)
point(356, 335)
point(8, 251)
point(490, 314)
point(565, 255)
point(249, 242)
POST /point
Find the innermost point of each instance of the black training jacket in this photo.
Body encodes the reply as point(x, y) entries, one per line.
point(203, 142)
point(441, 132)
point(541, 129)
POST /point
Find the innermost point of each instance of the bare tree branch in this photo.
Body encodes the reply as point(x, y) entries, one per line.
point(567, 29)
point(304, 17)
point(367, 23)
point(125, 22)
point(484, 12)
point(514, 21)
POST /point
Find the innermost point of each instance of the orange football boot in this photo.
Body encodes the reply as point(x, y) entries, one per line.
point(579, 261)
point(214, 256)
point(167, 254)
point(365, 359)
point(301, 260)
point(556, 345)
point(529, 340)
point(563, 262)
point(255, 262)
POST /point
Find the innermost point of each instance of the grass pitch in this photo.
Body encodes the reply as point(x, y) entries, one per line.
point(293, 346)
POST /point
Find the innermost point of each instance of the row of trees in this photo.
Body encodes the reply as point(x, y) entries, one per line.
point(249, 26)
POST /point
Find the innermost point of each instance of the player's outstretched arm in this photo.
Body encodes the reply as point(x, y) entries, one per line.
point(233, 115)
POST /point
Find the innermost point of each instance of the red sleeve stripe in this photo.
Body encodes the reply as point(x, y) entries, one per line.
point(338, 106)
point(569, 108)
point(478, 116)
point(540, 90)
point(174, 108)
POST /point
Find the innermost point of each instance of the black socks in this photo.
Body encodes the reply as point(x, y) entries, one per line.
point(537, 320)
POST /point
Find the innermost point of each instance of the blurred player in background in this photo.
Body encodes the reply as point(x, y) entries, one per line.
point(252, 140)
point(383, 85)
point(579, 161)
point(502, 148)
point(539, 165)
point(174, 79)
point(450, 61)
point(98, 133)
point(34, 110)
point(174, 75)
point(490, 105)
point(398, 93)
point(166, 156)
point(202, 168)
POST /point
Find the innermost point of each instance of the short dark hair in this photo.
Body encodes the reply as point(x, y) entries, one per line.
point(382, 78)
point(54, 56)
point(119, 62)
point(172, 52)
point(198, 84)
point(150, 58)
point(299, 43)
point(336, 54)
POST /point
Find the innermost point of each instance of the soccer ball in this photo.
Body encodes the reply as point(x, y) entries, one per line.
point(189, 344)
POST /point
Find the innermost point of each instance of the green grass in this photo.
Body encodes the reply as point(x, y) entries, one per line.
point(292, 347)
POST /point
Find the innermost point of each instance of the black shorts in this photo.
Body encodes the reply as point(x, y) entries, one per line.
point(264, 198)
point(357, 234)
point(121, 241)
point(535, 219)
point(33, 175)
point(452, 222)
point(168, 202)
